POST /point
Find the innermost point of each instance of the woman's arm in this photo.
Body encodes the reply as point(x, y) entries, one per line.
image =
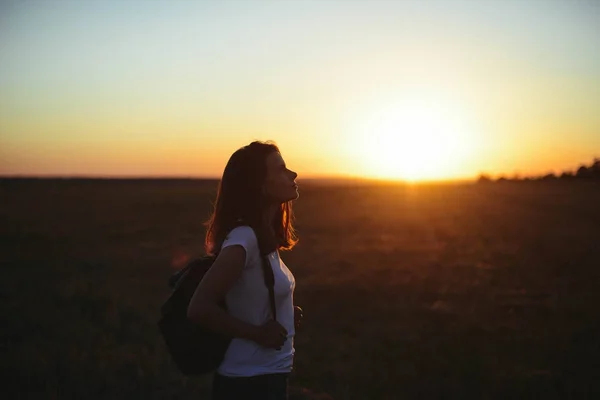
point(203, 307)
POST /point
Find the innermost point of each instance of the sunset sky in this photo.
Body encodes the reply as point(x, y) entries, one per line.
point(386, 89)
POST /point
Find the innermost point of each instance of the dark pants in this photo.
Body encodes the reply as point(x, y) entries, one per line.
point(260, 387)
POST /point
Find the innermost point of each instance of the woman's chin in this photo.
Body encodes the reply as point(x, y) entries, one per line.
point(294, 195)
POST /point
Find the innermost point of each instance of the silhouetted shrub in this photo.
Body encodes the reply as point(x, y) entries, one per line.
point(483, 178)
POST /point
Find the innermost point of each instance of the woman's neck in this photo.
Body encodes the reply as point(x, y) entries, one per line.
point(268, 238)
point(269, 214)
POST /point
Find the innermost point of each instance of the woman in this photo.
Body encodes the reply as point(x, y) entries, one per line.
point(252, 220)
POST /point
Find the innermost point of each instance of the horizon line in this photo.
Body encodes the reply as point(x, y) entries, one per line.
point(215, 178)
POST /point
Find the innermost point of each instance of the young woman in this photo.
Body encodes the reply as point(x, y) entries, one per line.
point(252, 220)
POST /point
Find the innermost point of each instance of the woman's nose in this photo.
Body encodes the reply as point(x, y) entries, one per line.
point(295, 175)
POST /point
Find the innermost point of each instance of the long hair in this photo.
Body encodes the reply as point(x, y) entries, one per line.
point(240, 201)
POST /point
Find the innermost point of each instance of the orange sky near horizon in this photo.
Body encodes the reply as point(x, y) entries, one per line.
point(430, 90)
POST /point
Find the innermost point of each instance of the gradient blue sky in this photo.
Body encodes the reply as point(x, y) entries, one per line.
point(146, 88)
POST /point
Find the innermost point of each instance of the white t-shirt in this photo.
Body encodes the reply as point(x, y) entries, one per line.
point(248, 300)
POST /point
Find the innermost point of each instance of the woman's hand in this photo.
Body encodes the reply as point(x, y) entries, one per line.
point(298, 315)
point(271, 335)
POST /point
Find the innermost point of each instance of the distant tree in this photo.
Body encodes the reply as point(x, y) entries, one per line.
point(595, 167)
point(567, 175)
point(549, 177)
point(502, 179)
point(583, 172)
point(484, 178)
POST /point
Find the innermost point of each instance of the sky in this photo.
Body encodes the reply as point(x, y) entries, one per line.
point(423, 90)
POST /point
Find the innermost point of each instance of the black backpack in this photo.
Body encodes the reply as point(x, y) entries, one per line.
point(194, 348)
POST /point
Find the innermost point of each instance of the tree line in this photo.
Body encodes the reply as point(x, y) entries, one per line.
point(585, 172)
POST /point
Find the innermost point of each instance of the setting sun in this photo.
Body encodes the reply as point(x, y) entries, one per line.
point(415, 139)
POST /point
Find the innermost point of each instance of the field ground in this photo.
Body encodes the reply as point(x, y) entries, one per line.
point(450, 291)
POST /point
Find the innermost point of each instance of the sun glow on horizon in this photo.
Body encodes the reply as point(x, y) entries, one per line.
point(415, 139)
point(377, 90)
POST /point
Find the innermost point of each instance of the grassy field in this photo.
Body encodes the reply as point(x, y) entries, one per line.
point(449, 291)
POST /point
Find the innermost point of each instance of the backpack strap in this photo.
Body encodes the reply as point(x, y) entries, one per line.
point(270, 282)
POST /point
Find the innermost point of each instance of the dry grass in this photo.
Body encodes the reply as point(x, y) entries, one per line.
point(455, 291)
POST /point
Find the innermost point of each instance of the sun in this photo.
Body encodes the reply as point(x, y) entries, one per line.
point(412, 140)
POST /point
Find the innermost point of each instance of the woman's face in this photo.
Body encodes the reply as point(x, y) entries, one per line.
point(279, 185)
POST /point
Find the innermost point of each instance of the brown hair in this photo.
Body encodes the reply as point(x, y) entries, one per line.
point(240, 201)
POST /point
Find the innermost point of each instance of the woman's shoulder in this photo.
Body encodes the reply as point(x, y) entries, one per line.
point(242, 231)
point(242, 234)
